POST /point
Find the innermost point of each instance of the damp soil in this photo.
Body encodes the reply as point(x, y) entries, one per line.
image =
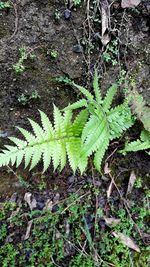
point(41, 27)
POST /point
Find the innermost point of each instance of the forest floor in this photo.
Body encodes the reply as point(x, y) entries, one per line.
point(62, 219)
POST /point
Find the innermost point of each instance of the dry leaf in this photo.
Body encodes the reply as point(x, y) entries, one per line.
point(105, 15)
point(140, 109)
point(127, 241)
point(14, 213)
point(109, 190)
point(28, 230)
point(111, 220)
point(30, 200)
point(131, 183)
point(130, 3)
point(48, 205)
point(107, 170)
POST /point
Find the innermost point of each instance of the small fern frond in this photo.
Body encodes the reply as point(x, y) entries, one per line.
point(73, 151)
point(36, 156)
point(20, 143)
point(120, 119)
point(30, 138)
point(79, 104)
point(96, 88)
point(109, 97)
point(135, 146)
point(67, 123)
point(100, 153)
point(38, 131)
point(138, 145)
point(79, 122)
point(58, 121)
point(47, 125)
point(84, 91)
point(94, 134)
point(47, 155)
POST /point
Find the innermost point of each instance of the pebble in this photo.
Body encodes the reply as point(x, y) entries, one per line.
point(77, 48)
point(67, 14)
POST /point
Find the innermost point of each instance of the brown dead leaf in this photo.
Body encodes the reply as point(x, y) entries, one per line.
point(110, 221)
point(107, 170)
point(48, 205)
point(14, 213)
point(105, 17)
point(130, 3)
point(131, 182)
point(28, 230)
point(109, 190)
point(30, 200)
point(126, 240)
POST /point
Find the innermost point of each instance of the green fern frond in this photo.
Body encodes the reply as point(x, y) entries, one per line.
point(84, 91)
point(79, 122)
point(49, 143)
point(120, 119)
point(94, 136)
point(47, 125)
point(135, 146)
point(100, 153)
point(142, 144)
point(109, 97)
point(79, 104)
point(73, 151)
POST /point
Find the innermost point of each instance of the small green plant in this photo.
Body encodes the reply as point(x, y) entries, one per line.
point(19, 66)
point(89, 134)
point(76, 2)
point(138, 182)
point(65, 80)
point(24, 100)
point(4, 5)
point(57, 15)
point(34, 95)
point(111, 53)
point(54, 54)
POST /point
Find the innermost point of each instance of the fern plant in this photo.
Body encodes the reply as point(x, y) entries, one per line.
point(104, 124)
point(89, 134)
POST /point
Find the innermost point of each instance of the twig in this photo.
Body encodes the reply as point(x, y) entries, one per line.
point(54, 262)
point(16, 21)
point(75, 201)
